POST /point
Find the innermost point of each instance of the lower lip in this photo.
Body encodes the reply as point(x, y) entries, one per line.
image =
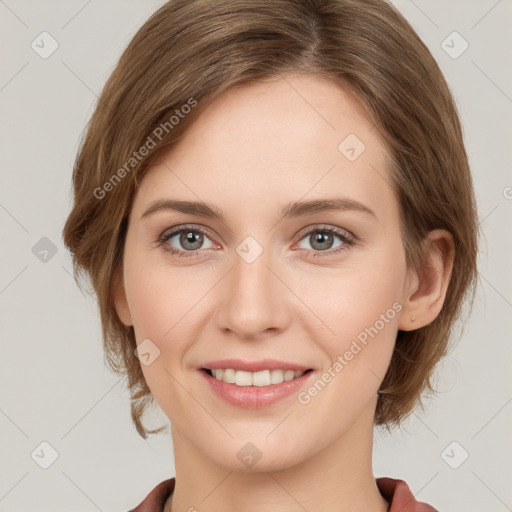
point(254, 397)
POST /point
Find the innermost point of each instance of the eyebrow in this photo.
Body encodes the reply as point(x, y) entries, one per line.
point(295, 209)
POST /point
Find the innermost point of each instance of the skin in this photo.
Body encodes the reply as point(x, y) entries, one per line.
point(253, 151)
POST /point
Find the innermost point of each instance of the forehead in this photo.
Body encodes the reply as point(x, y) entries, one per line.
point(274, 142)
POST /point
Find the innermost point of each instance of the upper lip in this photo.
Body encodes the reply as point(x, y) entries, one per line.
point(254, 366)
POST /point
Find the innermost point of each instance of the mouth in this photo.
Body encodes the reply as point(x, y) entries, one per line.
point(254, 390)
point(262, 378)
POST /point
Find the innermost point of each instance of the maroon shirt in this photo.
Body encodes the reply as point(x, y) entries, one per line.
point(396, 492)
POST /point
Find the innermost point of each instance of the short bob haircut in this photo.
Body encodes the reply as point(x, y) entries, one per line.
point(186, 54)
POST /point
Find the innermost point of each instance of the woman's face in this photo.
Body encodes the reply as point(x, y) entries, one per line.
point(279, 277)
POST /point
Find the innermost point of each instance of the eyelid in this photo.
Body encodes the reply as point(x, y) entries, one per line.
point(327, 227)
point(175, 230)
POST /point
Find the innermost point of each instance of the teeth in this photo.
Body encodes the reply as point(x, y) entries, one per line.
point(260, 379)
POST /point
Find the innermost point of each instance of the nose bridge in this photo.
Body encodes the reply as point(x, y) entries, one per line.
point(254, 300)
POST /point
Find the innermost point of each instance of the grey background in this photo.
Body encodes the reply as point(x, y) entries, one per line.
point(54, 386)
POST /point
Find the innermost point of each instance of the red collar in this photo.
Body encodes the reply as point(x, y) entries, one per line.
point(396, 492)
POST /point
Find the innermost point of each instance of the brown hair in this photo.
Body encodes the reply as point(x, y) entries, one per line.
point(187, 53)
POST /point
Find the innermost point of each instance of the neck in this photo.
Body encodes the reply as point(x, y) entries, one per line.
point(337, 479)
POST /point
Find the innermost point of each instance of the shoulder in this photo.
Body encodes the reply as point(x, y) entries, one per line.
point(400, 497)
point(155, 500)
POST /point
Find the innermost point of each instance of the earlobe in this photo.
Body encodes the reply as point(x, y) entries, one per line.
point(120, 300)
point(426, 290)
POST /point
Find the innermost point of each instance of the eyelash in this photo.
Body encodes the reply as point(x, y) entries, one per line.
point(347, 239)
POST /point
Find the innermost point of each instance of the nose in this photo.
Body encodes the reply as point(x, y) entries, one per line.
point(254, 301)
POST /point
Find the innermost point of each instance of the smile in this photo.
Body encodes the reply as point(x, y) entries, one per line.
point(253, 390)
point(261, 379)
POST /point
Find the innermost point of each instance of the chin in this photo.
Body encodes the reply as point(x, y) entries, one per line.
point(259, 454)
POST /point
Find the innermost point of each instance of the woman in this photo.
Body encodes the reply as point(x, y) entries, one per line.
point(274, 205)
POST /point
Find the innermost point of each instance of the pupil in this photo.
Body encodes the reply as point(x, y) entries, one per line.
point(321, 239)
point(191, 238)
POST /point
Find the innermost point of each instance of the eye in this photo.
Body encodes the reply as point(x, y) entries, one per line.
point(185, 241)
point(188, 241)
point(327, 239)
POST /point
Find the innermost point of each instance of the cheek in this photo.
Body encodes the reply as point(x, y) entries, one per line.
point(158, 295)
point(160, 304)
point(153, 303)
point(154, 298)
point(351, 299)
point(165, 304)
point(359, 308)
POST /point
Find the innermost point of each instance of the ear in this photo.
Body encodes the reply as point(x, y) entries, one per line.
point(425, 291)
point(119, 298)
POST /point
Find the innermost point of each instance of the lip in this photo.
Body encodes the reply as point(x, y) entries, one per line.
point(254, 366)
point(255, 397)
